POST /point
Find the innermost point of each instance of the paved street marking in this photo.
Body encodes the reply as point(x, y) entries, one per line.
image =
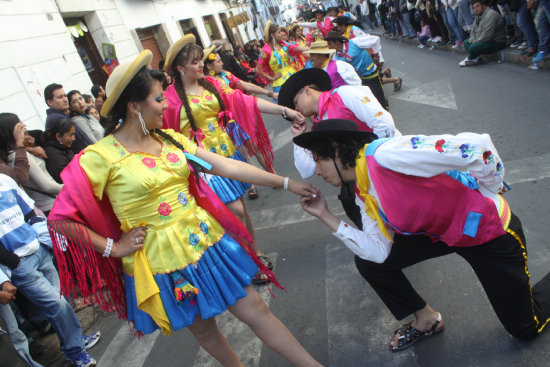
point(346, 289)
point(127, 350)
point(245, 343)
point(527, 169)
point(438, 94)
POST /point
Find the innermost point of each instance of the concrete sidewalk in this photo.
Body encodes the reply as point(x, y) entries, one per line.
point(508, 55)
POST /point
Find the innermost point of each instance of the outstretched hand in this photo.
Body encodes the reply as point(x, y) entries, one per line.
point(315, 206)
point(298, 128)
point(303, 189)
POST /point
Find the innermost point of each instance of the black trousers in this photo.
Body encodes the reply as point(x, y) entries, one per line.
point(500, 265)
point(375, 85)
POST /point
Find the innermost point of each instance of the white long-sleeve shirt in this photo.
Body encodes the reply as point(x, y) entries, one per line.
point(424, 156)
point(365, 106)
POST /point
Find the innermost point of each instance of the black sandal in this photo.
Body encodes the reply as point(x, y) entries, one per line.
point(252, 193)
point(397, 86)
point(410, 335)
point(259, 278)
point(267, 263)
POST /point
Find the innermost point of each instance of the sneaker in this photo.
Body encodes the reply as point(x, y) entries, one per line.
point(522, 46)
point(430, 39)
point(458, 44)
point(463, 62)
point(83, 360)
point(475, 61)
point(515, 44)
point(421, 46)
point(437, 39)
point(540, 56)
point(91, 340)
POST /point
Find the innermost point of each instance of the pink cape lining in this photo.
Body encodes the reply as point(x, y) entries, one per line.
point(76, 209)
point(244, 109)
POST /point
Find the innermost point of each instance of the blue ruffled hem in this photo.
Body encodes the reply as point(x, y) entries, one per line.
point(237, 134)
point(221, 275)
point(226, 189)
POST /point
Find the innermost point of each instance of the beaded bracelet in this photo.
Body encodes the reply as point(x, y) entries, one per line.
point(109, 247)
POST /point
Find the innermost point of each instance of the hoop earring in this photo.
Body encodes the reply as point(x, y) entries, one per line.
point(145, 131)
point(211, 73)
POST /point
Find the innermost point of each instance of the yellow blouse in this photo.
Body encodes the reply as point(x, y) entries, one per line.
point(146, 189)
point(287, 70)
point(205, 111)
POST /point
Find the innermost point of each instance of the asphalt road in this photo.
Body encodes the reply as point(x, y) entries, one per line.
point(327, 305)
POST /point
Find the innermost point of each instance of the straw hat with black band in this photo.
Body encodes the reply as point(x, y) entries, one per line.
point(266, 30)
point(319, 47)
point(209, 51)
point(175, 49)
point(333, 128)
point(298, 80)
point(121, 77)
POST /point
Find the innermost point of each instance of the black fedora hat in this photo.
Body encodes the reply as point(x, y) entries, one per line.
point(341, 20)
point(335, 36)
point(299, 80)
point(333, 128)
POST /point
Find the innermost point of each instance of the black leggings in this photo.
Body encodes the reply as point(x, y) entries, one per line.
point(500, 265)
point(375, 85)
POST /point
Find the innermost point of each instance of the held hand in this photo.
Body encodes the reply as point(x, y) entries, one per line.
point(298, 128)
point(314, 206)
point(302, 189)
point(6, 297)
point(8, 287)
point(275, 95)
point(295, 115)
point(37, 152)
point(130, 242)
point(19, 134)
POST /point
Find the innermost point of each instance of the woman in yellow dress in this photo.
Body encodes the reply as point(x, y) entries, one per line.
point(132, 196)
point(218, 119)
point(296, 37)
point(277, 56)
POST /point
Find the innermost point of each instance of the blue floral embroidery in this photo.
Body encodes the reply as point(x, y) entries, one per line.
point(213, 150)
point(193, 239)
point(223, 147)
point(415, 141)
point(182, 199)
point(211, 127)
point(465, 150)
point(204, 227)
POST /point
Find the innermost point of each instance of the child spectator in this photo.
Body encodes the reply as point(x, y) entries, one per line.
point(59, 139)
point(91, 111)
point(424, 35)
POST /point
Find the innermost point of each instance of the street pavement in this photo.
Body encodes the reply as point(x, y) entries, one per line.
point(326, 304)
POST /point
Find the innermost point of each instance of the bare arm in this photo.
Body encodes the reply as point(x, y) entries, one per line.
point(253, 88)
point(275, 109)
point(241, 171)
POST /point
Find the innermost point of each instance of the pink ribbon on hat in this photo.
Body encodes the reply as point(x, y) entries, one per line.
point(224, 117)
point(197, 135)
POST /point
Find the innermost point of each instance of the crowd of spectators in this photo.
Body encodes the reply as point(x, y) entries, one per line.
point(520, 24)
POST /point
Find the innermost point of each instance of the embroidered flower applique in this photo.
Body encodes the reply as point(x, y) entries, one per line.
point(204, 227)
point(223, 147)
point(213, 150)
point(211, 127)
point(164, 211)
point(487, 156)
point(440, 145)
point(119, 148)
point(149, 162)
point(416, 143)
point(193, 239)
point(208, 97)
point(172, 157)
point(465, 150)
point(182, 199)
point(195, 100)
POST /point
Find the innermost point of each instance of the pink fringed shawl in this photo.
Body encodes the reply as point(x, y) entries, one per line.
point(243, 108)
point(76, 209)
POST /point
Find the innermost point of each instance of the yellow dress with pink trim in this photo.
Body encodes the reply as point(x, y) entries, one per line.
point(188, 266)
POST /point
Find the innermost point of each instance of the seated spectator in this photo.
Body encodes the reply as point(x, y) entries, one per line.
point(17, 337)
point(59, 139)
point(424, 35)
point(488, 34)
point(99, 94)
point(91, 111)
point(35, 275)
point(89, 100)
point(12, 137)
point(41, 187)
point(87, 124)
point(57, 101)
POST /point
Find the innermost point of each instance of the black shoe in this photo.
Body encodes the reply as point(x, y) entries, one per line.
point(36, 349)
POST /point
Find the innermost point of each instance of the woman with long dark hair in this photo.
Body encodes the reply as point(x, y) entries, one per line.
point(59, 139)
point(12, 137)
point(219, 119)
point(88, 124)
point(133, 195)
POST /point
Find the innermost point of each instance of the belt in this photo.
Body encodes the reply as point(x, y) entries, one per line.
point(373, 75)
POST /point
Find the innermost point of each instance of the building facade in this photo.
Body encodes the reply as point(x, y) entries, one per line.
point(72, 42)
